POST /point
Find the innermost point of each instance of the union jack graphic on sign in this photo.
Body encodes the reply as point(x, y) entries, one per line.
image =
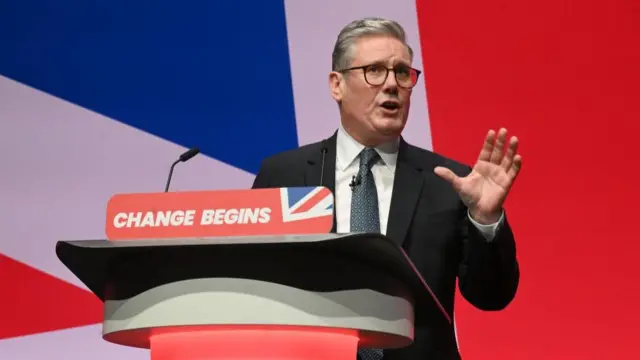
point(304, 203)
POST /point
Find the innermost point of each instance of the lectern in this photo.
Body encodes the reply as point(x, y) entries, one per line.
point(214, 275)
point(308, 296)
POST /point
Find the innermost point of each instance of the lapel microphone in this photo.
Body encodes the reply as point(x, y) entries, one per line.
point(355, 181)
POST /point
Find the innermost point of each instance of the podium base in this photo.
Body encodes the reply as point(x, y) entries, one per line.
point(253, 343)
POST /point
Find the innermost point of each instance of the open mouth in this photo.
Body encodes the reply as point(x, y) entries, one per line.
point(390, 105)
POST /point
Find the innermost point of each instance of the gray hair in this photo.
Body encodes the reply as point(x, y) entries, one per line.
point(342, 51)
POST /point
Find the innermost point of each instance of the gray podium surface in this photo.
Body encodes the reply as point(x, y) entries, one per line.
point(352, 281)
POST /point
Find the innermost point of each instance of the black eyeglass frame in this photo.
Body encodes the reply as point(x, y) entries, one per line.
point(386, 75)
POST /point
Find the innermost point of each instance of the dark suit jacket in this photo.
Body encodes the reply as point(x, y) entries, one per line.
point(428, 219)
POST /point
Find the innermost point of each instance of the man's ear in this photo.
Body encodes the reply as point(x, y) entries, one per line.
point(336, 85)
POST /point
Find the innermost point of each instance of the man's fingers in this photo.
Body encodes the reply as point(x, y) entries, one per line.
point(514, 170)
point(487, 147)
point(507, 161)
point(498, 149)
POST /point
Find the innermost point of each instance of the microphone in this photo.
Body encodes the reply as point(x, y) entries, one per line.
point(189, 154)
point(355, 181)
point(186, 156)
point(324, 151)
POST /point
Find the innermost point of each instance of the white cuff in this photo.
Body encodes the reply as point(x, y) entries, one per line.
point(488, 231)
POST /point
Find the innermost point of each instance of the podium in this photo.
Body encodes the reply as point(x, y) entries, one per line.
point(308, 296)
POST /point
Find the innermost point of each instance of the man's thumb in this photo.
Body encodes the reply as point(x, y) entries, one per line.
point(448, 175)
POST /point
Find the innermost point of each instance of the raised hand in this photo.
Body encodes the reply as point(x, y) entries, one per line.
point(485, 189)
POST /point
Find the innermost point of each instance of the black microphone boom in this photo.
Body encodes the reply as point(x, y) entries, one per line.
point(186, 156)
point(324, 153)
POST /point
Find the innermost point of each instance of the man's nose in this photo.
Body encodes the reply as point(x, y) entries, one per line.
point(390, 84)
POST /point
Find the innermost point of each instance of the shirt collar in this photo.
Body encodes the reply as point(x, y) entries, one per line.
point(348, 150)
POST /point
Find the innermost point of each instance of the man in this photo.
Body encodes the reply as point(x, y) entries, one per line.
point(448, 217)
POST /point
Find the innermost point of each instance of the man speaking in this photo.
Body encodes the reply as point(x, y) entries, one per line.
point(448, 217)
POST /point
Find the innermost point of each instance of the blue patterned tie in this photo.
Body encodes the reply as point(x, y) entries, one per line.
point(365, 216)
point(364, 198)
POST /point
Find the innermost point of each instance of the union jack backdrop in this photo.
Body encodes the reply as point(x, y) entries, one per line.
point(99, 97)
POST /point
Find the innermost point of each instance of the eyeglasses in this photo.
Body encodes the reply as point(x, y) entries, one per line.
point(376, 75)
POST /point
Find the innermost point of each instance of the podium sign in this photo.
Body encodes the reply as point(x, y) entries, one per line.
point(300, 210)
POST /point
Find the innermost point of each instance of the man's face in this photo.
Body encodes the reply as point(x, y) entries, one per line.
point(374, 113)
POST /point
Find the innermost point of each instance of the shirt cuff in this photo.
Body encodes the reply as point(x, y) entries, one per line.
point(488, 231)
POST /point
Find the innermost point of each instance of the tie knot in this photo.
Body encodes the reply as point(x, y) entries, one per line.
point(368, 157)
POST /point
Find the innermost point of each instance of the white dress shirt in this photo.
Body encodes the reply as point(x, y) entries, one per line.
point(347, 164)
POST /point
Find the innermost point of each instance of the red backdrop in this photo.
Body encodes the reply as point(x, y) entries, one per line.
point(564, 76)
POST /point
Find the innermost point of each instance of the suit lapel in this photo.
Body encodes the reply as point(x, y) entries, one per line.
point(315, 172)
point(407, 186)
